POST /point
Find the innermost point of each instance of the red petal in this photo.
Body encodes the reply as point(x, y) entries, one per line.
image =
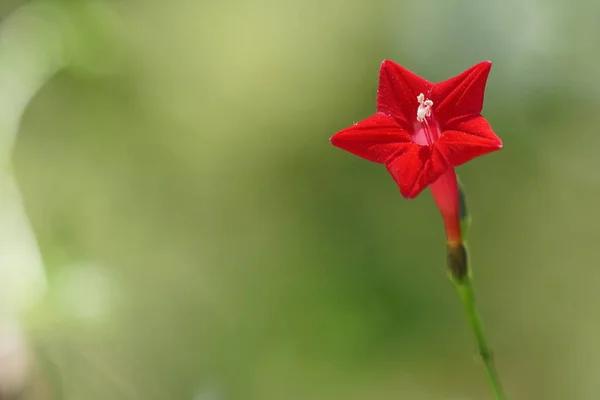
point(376, 138)
point(462, 95)
point(398, 90)
point(416, 167)
point(468, 139)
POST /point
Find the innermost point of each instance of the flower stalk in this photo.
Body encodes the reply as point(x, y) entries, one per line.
point(467, 297)
point(459, 273)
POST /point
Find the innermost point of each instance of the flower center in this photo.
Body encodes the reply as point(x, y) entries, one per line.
point(424, 109)
point(426, 129)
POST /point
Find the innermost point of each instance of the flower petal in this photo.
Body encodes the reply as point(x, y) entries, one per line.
point(398, 90)
point(376, 138)
point(415, 167)
point(462, 95)
point(468, 139)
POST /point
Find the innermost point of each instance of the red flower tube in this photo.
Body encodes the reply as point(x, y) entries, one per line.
point(422, 130)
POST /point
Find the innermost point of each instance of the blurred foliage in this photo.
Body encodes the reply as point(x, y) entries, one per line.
point(203, 240)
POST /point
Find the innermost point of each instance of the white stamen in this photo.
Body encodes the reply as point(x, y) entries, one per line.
point(424, 109)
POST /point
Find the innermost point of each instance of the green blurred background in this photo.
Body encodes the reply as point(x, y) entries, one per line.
point(203, 240)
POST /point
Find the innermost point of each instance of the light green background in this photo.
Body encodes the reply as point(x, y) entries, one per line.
point(203, 238)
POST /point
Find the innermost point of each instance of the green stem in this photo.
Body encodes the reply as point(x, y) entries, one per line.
point(467, 295)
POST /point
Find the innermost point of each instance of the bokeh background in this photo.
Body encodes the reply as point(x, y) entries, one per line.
point(202, 240)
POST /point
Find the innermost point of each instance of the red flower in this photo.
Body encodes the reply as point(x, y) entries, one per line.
point(422, 130)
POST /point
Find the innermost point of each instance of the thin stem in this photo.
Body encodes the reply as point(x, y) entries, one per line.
point(467, 296)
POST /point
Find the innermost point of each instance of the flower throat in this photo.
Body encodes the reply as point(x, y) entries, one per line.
point(426, 129)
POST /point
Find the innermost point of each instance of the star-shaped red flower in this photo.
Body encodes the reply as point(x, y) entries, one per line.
point(421, 129)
